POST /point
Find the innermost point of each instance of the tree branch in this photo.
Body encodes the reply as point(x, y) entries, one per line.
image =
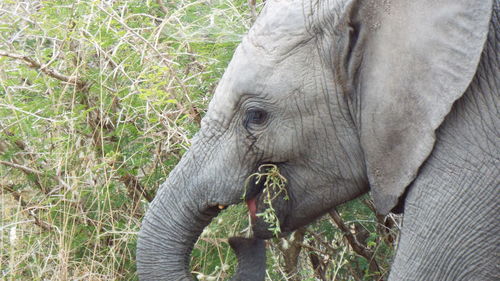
point(25, 169)
point(291, 253)
point(253, 11)
point(135, 187)
point(17, 197)
point(163, 8)
point(385, 224)
point(353, 241)
point(319, 239)
point(44, 69)
point(28, 170)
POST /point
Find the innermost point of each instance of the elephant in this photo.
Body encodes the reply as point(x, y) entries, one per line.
point(396, 98)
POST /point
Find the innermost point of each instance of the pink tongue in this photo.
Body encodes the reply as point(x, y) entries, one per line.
point(252, 207)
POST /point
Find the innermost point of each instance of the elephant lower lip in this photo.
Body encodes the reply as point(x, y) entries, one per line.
point(252, 208)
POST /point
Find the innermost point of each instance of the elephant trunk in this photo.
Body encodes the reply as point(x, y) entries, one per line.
point(173, 222)
point(251, 254)
point(202, 183)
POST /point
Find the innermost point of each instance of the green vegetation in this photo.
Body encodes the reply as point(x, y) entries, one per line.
point(274, 185)
point(98, 101)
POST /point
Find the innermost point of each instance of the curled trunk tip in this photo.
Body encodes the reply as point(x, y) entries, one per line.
point(251, 255)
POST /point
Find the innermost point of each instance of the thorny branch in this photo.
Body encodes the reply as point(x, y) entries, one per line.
point(31, 171)
point(163, 8)
point(385, 223)
point(314, 249)
point(320, 240)
point(44, 69)
point(134, 186)
point(353, 241)
point(253, 10)
point(18, 197)
point(28, 170)
point(291, 254)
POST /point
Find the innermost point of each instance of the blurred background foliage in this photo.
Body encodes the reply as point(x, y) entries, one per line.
point(98, 101)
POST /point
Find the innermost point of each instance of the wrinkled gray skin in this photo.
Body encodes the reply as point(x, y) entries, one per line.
point(396, 97)
point(251, 254)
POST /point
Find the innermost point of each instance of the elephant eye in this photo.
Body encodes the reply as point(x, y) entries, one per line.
point(255, 116)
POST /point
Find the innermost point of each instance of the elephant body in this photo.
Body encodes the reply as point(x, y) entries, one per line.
point(399, 98)
point(451, 228)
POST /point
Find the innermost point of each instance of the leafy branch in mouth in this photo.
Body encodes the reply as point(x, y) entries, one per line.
point(274, 185)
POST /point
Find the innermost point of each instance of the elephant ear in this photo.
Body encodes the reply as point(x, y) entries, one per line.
point(417, 58)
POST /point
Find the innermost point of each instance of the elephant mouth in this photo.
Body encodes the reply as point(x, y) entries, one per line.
point(253, 192)
point(252, 208)
point(254, 198)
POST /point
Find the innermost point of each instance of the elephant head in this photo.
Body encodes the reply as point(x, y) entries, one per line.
point(342, 96)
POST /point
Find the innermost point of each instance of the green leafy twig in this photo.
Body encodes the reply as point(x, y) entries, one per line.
point(274, 185)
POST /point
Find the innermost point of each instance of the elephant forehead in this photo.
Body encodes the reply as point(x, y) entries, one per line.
point(258, 64)
point(246, 76)
point(281, 27)
point(251, 75)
